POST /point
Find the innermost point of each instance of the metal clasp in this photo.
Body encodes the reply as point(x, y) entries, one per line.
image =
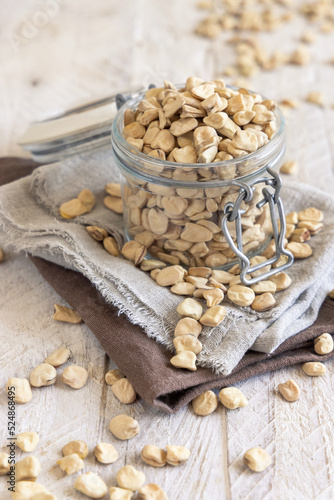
point(233, 212)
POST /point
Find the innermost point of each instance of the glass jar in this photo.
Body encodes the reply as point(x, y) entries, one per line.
point(214, 215)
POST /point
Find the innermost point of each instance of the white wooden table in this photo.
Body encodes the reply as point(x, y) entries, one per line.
point(82, 49)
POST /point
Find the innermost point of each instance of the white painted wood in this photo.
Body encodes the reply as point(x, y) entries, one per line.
point(88, 49)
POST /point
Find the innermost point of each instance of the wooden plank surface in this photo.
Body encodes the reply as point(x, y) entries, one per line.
point(86, 49)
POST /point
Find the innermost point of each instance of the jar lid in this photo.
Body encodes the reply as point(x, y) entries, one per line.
point(75, 130)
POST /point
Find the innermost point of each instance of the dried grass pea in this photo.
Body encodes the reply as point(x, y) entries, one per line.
point(26, 490)
point(232, 398)
point(299, 250)
point(113, 376)
point(111, 246)
point(177, 455)
point(190, 308)
point(120, 493)
point(263, 302)
point(114, 204)
point(124, 391)
point(78, 206)
point(281, 280)
point(187, 326)
point(151, 491)
point(185, 359)
point(71, 463)
point(43, 375)
point(72, 209)
point(124, 427)
point(290, 390)
point(130, 478)
point(187, 343)
point(27, 441)
point(66, 314)
point(59, 357)
point(153, 455)
point(78, 447)
point(4, 464)
point(27, 469)
point(170, 276)
point(314, 369)
point(324, 344)
point(213, 316)
point(74, 376)
point(97, 233)
point(241, 295)
point(205, 404)
point(19, 389)
point(257, 459)
point(91, 485)
point(105, 453)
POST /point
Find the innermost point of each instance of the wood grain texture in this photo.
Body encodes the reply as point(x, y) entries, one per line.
point(88, 49)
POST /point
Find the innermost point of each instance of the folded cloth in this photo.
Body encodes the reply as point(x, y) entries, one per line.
point(29, 215)
point(146, 362)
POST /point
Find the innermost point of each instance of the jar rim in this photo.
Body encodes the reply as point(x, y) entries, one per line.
point(264, 154)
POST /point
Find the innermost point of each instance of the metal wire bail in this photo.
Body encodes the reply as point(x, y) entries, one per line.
point(233, 212)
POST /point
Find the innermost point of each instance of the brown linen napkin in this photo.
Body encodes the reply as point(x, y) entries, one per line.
point(143, 360)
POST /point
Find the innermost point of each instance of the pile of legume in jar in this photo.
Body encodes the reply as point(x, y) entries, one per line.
point(198, 135)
